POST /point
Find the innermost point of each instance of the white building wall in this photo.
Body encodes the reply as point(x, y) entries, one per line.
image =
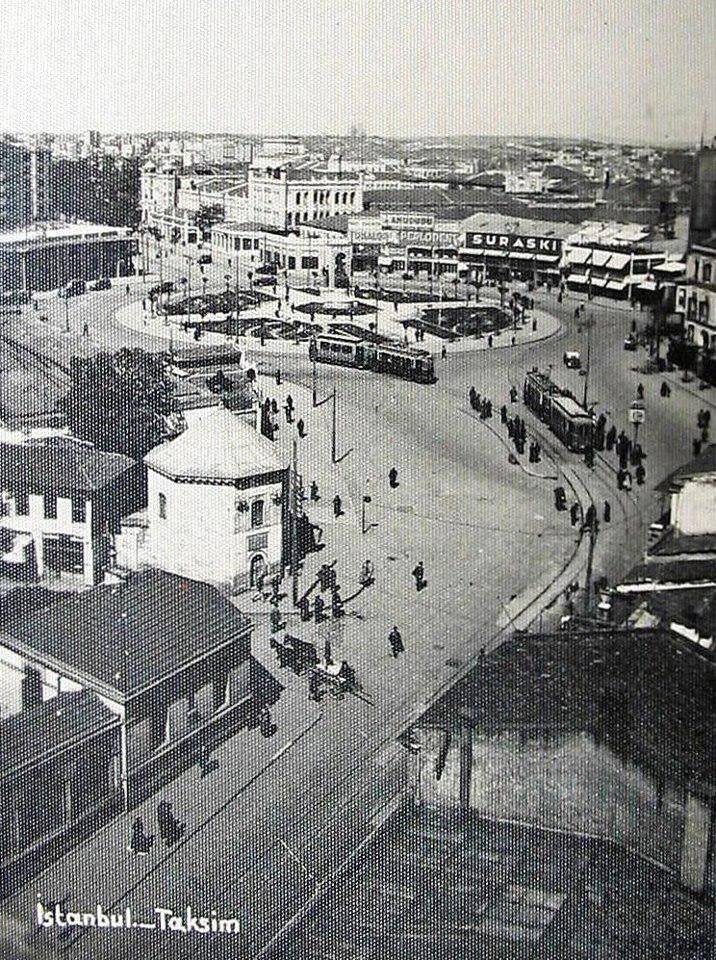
point(204, 536)
point(693, 508)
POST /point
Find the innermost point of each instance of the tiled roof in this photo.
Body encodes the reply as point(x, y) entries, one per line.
point(216, 446)
point(704, 463)
point(122, 638)
point(51, 726)
point(59, 465)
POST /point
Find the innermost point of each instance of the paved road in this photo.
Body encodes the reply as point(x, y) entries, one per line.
point(485, 530)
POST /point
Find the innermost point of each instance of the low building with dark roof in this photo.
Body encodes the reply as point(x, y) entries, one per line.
point(606, 734)
point(166, 655)
point(59, 772)
point(62, 502)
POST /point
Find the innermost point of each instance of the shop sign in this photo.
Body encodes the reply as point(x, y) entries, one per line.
point(408, 221)
point(513, 241)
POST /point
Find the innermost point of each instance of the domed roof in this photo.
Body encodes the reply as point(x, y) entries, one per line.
point(217, 445)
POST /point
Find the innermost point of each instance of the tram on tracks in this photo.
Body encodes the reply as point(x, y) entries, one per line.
point(352, 351)
point(565, 417)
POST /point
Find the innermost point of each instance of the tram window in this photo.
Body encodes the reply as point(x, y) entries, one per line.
point(325, 347)
point(346, 349)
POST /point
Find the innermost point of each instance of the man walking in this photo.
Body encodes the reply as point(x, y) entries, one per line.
point(396, 642)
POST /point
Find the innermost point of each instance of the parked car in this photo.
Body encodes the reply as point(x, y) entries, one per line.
point(572, 359)
point(104, 283)
point(264, 281)
point(72, 289)
point(205, 258)
point(630, 343)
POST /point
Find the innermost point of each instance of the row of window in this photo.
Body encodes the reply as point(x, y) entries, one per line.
point(22, 507)
point(257, 512)
point(324, 196)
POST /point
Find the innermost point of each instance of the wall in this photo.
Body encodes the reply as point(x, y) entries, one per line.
point(565, 782)
point(693, 509)
point(12, 672)
point(198, 539)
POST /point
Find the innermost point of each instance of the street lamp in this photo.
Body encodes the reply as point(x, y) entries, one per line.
point(366, 501)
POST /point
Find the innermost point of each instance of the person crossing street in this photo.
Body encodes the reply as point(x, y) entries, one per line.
point(396, 642)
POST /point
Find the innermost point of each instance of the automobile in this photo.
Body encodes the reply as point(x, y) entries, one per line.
point(630, 343)
point(72, 289)
point(166, 287)
point(264, 281)
point(572, 359)
point(205, 258)
point(104, 283)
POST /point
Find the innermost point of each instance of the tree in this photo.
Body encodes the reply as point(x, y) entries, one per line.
point(120, 402)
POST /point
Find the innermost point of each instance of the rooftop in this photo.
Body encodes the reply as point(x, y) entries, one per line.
point(122, 638)
point(49, 727)
point(37, 232)
point(443, 885)
point(665, 697)
point(216, 446)
point(704, 463)
point(673, 544)
point(59, 465)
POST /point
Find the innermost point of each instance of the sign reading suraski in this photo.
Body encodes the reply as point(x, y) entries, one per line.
point(513, 241)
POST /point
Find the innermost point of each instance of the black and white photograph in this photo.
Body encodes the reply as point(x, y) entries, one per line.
point(357, 483)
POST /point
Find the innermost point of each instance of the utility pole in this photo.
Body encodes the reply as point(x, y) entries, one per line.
point(293, 506)
point(67, 315)
point(314, 391)
point(333, 428)
point(593, 529)
point(588, 323)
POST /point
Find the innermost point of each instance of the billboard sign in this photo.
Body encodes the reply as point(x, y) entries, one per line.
point(514, 242)
point(407, 221)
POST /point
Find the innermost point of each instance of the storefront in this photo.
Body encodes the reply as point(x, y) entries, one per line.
point(508, 256)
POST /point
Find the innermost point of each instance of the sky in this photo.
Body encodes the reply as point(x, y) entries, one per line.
point(625, 70)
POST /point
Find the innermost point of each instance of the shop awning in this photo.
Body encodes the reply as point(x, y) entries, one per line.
point(578, 255)
point(617, 285)
point(598, 282)
point(670, 267)
point(600, 258)
point(499, 254)
point(521, 255)
point(647, 285)
point(577, 278)
point(617, 261)
point(548, 257)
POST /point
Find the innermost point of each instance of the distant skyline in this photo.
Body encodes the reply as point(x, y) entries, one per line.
point(640, 71)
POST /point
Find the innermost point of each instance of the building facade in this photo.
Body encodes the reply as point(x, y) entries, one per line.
point(25, 192)
point(62, 501)
point(307, 255)
point(696, 295)
point(217, 497)
point(47, 256)
point(285, 197)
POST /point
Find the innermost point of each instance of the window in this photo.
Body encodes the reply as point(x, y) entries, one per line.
point(707, 273)
point(257, 513)
point(256, 243)
point(79, 510)
point(162, 506)
point(22, 503)
point(259, 541)
point(247, 243)
point(50, 501)
point(291, 263)
point(309, 263)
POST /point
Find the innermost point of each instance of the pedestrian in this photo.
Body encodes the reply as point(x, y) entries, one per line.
point(318, 607)
point(443, 351)
point(327, 651)
point(665, 389)
point(696, 447)
point(640, 474)
point(140, 843)
point(472, 394)
point(337, 507)
point(85, 329)
point(366, 574)
point(640, 391)
point(590, 516)
point(314, 492)
point(126, 290)
point(611, 437)
point(395, 306)
point(513, 340)
point(707, 418)
point(574, 514)
point(396, 642)
point(393, 478)
point(534, 326)
point(607, 511)
point(170, 830)
point(336, 602)
point(538, 452)
point(705, 435)
point(489, 340)
point(278, 378)
point(503, 413)
point(626, 481)
point(513, 394)
point(289, 413)
point(419, 575)
point(300, 426)
point(488, 409)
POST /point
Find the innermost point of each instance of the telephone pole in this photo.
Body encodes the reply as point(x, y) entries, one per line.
point(293, 506)
point(333, 428)
point(593, 530)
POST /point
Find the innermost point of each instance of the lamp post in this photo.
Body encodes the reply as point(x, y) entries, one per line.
point(366, 501)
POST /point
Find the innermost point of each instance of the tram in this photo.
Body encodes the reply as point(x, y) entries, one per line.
point(352, 351)
point(566, 418)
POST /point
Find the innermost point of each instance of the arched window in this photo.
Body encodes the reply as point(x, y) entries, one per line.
point(289, 218)
point(345, 197)
point(353, 196)
point(162, 506)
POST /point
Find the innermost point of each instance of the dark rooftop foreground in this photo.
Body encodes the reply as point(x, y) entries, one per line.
point(444, 886)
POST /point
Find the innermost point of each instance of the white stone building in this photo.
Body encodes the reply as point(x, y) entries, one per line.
point(284, 196)
point(696, 295)
point(216, 502)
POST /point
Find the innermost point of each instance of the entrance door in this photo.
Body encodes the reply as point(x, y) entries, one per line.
point(257, 570)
